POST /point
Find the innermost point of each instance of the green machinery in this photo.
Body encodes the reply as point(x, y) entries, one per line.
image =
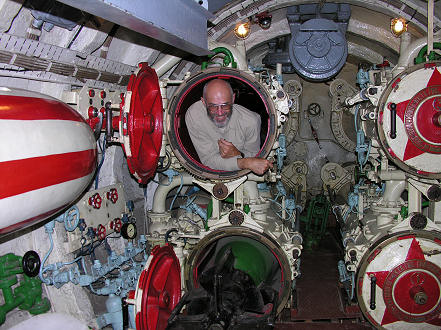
point(316, 220)
point(27, 294)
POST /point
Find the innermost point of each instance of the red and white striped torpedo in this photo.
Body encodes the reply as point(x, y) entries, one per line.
point(47, 157)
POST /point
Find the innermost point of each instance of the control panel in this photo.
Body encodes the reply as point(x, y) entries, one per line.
point(102, 212)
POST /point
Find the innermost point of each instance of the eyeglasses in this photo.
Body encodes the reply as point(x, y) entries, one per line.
point(224, 106)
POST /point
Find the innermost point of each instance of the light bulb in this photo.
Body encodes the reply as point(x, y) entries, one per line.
point(242, 30)
point(398, 26)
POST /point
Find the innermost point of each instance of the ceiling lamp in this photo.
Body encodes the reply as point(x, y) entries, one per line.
point(242, 30)
point(398, 26)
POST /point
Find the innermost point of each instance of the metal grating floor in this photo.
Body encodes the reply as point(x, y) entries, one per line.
point(320, 304)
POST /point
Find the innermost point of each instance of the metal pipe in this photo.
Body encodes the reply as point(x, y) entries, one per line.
point(415, 199)
point(393, 190)
point(430, 26)
point(238, 52)
point(298, 199)
point(164, 188)
point(164, 64)
point(406, 57)
point(392, 175)
point(250, 188)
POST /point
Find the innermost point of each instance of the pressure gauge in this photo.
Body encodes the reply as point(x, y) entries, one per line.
point(128, 230)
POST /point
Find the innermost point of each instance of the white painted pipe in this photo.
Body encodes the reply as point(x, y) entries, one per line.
point(415, 201)
point(408, 55)
point(392, 175)
point(393, 190)
point(279, 69)
point(250, 188)
point(430, 26)
point(165, 64)
point(164, 188)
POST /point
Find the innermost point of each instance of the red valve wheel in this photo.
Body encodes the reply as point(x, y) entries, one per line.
point(95, 201)
point(101, 232)
point(117, 224)
point(98, 200)
point(112, 195)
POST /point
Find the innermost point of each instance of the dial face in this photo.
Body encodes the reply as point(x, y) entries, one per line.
point(128, 231)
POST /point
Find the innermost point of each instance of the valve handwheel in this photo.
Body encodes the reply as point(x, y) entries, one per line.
point(112, 195)
point(31, 263)
point(117, 224)
point(95, 201)
point(314, 109)
point(101, 232)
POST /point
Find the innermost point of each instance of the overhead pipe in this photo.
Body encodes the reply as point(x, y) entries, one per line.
point(409, 51)
point(163, 65)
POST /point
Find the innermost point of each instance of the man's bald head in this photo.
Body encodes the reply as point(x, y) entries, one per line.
point(218, 88)
point(218, 98)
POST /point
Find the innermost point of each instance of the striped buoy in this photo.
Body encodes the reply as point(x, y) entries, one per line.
point(47, 157)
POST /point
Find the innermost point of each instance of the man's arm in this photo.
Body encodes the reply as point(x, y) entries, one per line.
point(257, 165)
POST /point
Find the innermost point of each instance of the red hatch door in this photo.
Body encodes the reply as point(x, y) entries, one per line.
point(141, 123)
point(158, 290)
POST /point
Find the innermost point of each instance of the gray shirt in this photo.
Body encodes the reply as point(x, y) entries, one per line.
point(243, 130)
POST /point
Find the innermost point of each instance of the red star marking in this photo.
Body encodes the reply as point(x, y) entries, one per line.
point(411, 150)
point(415, 252)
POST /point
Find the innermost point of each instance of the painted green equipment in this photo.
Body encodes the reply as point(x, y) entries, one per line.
point(316, 220)
point(27, 295)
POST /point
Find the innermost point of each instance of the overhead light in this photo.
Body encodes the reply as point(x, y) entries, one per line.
point(398, 26)
point(242, 30)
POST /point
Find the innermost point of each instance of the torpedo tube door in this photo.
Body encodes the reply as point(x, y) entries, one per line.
point(140, 124)
point(158, 290)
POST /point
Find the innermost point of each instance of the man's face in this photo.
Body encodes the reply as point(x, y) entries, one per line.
point(219, 104)
point(220, 114)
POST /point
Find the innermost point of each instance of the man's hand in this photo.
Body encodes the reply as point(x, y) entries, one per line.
point(227, 149)
point(257, 165)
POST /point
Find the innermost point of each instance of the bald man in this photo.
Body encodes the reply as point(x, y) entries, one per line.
point(226, 136)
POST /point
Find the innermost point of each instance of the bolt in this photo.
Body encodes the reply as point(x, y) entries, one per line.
point(434, 193)
point(295, 253)
point(420, 298)
point(353, 255)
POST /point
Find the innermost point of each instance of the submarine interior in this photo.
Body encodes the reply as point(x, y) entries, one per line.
point(111, 219)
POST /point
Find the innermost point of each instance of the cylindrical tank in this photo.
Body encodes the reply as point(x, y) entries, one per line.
point(47, 157)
